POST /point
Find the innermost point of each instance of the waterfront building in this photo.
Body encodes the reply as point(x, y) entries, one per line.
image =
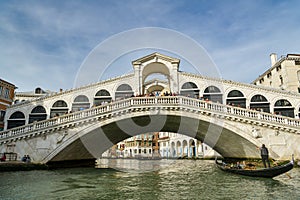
point(283, 74)
point(7, 93)
point(160, 145)
point(174, 145)
point(139, 146)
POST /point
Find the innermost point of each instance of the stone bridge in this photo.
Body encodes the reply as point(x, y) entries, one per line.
point(231, 131)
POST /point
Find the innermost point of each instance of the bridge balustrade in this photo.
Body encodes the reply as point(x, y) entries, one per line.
point(152, 101)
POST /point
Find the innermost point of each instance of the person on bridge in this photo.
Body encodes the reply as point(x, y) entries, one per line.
point(3, 158)
point(265, 155)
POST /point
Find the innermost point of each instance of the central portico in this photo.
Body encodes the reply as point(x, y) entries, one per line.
point(156, 63)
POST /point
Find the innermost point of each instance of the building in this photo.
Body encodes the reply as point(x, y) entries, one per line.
point(174, 145)
point(7, 93)
point(160, 145)
point(284, 73)
point(21, 97)
point(139, 146)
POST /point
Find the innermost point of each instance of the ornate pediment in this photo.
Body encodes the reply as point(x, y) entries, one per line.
point(155, 57)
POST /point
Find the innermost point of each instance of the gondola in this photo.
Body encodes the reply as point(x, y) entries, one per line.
point(264, 172)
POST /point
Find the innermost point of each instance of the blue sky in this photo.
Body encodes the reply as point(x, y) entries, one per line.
point(43, 43)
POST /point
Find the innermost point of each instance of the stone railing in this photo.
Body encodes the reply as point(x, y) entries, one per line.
point(158, 102)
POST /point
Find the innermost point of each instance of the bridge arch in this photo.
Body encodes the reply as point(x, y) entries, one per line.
point(236, 98)
point(38, 113)
point(123, 91)
point(213, 93)
point(16, 119)
point(284, 107)
point(80, 102)
point(91, 141)
point(60, 107)
point(101, 97)
point(189, 89)
point(259, 102)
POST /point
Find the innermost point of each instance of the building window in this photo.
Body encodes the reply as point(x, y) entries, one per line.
point(6, 93)
point(2, 114)
point(269, 75)
point(278, 68)
point(281, 79)
point(1, 88)
point(189, 89)
point(261, 80)
point(212, 93)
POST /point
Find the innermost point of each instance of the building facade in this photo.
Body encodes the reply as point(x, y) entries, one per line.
point(174, 145)
point(160, 145)
point(21, 97)
point(7, 93)
point(284, 73)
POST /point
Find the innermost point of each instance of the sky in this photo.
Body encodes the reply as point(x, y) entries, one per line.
point(44, 43)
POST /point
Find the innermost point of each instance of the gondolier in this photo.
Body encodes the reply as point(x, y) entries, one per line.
point(264, 155)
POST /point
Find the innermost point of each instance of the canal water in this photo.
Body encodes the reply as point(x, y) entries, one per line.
point(180, 179)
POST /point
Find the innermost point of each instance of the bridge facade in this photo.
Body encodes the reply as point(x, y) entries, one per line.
point(233, 118)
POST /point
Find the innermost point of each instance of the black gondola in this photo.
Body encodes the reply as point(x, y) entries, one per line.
point(264, 172)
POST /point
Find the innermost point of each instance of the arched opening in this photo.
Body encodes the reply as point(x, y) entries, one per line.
point(192, 148)
point(156, 74)
point(38, 91)
point(236, 98)
point(124, 91)
point(81, 102)
point(260, 103)
point(101, 97)
point(15, 120)
point(37, 114)
point(60, 107)
point(189, 89)
point(212, 93)
point(185, 148)
point(156, 85)
point(284, 107)
point(178, 149)
point(173, 150)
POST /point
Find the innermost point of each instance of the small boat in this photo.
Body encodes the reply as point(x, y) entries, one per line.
point(263, 172)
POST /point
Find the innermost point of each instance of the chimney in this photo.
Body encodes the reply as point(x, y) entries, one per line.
point(273, 57)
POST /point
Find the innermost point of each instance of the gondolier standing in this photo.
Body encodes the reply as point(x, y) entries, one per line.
point(264, 155)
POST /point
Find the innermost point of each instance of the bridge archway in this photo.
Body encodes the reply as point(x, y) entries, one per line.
point(93, 140)
point(284, 107)
point(213, 93)
point(16, 119)
point(156, 64)
point(123, 91)
point(101, 97)
point(60, 107)
point(37, 114)
point(236, 98)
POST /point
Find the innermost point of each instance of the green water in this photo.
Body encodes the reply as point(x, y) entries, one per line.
point(182, 179)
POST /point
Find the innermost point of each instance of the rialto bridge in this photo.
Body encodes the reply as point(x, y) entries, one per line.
point(78, 124)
